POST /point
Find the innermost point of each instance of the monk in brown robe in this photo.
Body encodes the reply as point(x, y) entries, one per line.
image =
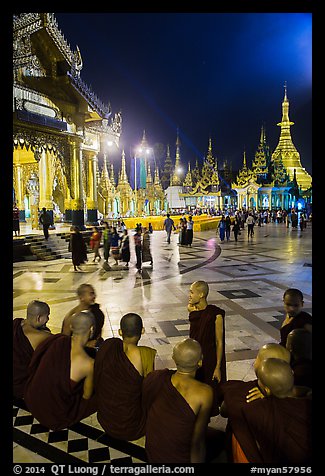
point(178, 409)
point(27, 335)
point(87, 297)
point(299, 344)
point(236, 395)
point(59, 390)
point(295, 318)
point(120, 367)
point(207, 326)
point(280, 423)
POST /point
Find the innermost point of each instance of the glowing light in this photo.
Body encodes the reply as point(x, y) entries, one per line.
point(211, 244)
point(32, 282)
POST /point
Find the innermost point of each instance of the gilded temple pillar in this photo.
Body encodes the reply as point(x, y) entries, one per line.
point(45, 182)
point(67, 202)
point(77, 203)
point(19, 193)
point(92, 204)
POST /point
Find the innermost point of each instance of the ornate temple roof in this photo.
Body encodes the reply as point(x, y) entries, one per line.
point(38, 44)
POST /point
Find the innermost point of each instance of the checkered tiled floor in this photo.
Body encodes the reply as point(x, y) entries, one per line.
point(81, 443)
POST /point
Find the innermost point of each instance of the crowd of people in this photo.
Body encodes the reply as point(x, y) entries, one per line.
point(250, 218)
point(62, 378)
point(114, 241)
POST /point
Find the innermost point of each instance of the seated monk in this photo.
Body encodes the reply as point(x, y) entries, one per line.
point(280, 423)
point(27, 335)
point(178, 409)
point(236, 394)
point(59, 389)
point(120, 367)
point(295, 317)
point(299, 344)
point(207, 326)
point(87, 296)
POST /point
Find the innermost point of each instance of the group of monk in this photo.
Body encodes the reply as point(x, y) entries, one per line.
point(63, 378)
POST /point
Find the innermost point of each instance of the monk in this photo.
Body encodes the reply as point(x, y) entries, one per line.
point(120, 367)
point(299, 344)
point(178, 409)
point(295, 318)
point(280, 423)
point(208, 328)
point(236, 395)
point(87, 297)
point(59, 390)
point(27, 335)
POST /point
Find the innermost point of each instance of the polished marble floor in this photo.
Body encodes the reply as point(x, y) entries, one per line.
point(246, 278)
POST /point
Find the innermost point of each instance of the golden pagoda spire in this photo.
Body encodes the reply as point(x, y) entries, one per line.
point(210, 147)
point(112, 178)
point(104, 169)
point(286, 149)
point(123, 178)
point(175, 180)
point(149, 176)
point(157, 179)
point(188, 182)
point(244, 160)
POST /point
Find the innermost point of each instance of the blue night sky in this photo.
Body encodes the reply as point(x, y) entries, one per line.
point(207, 74)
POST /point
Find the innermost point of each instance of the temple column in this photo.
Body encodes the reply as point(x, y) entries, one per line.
point(77, 203)
point(45, 182)
point(67, 202)
point(19, 192)
point(92, 204)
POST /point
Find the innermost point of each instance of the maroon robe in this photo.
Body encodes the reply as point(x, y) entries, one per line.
point(50, 395)
point(202, 329)
point(22, 355)
point(297, 322)
point(282, 429)
point(170, 420)
point(118, 388)
point(234, 397)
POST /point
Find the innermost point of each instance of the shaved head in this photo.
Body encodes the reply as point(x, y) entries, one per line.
point(271, 350)
point(201, 287)
point(299, 344)
point(37, 308)
point(187, 354)
point(277, 376)
point(131, 325)
point(82, 322)
point(84, 288)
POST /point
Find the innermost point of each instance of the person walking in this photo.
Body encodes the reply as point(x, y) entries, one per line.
point(95, 243)
point(125, 248)
point(107, 233)
point(77, 247)
point(115, 245)
point(184, 231)
point(222, 228)
point(138, 247)
point(228, 227)
point(169, 225)
point(45, 221)
point(146, 252)
point(250, 226)
point(189, 231)
point(236, 229)
point(15, 218)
